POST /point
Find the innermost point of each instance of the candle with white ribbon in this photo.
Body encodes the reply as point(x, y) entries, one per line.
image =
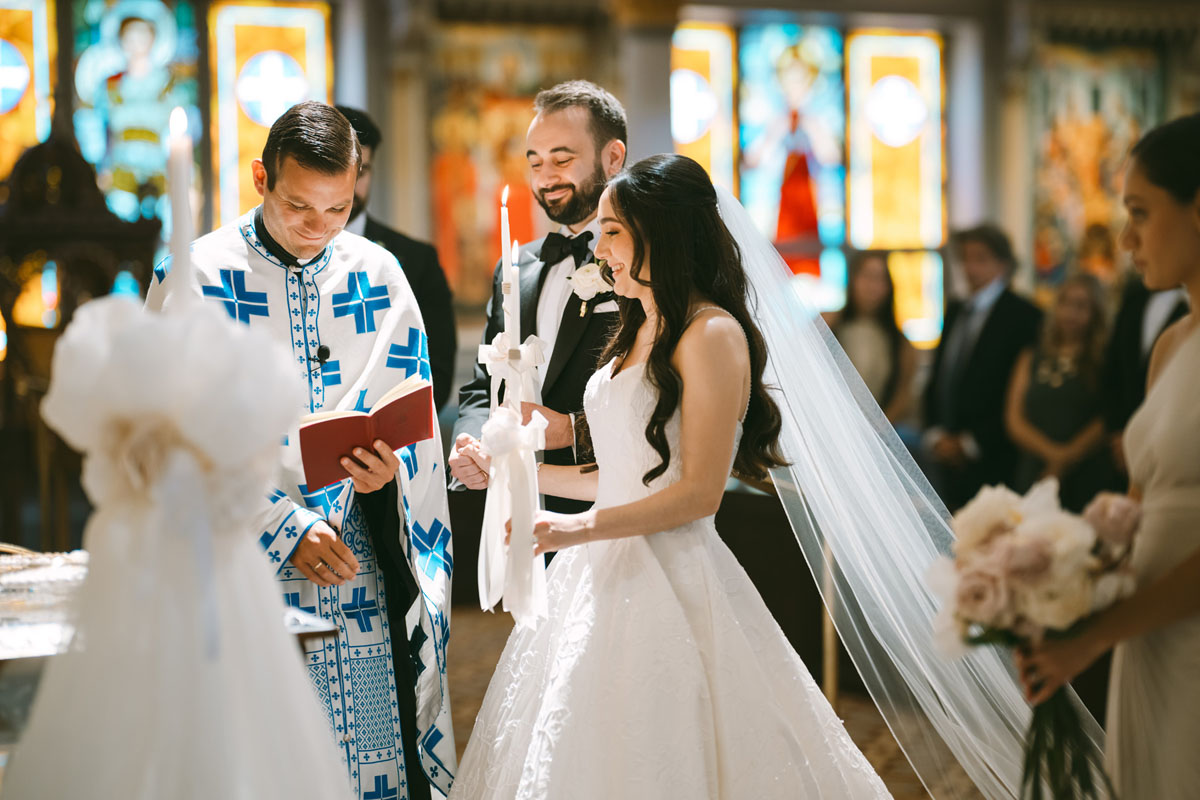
point(508, 275)
point(179, 187)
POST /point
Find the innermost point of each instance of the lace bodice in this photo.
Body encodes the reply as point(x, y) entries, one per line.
point(618, 408)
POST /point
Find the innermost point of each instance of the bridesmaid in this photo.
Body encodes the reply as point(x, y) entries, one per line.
point(1154, 695)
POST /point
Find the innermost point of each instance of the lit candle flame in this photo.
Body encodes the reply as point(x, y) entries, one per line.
point(179, 122)
point(504, 196)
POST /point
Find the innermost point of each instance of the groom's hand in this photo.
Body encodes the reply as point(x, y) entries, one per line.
point(558, 426)
point(468, 463)
point(323, 558)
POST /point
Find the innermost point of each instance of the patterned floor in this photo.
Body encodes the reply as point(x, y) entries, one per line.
point(479, 637)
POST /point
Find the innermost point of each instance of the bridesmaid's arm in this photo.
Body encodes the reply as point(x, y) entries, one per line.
point(1170, 599)
point(714, 364)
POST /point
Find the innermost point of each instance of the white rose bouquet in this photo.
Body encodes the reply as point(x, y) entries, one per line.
point(1024, 569)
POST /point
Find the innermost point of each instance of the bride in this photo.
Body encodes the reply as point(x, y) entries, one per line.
point(660, 672)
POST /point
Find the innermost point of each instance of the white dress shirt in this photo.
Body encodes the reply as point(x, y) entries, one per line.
point(556, 292)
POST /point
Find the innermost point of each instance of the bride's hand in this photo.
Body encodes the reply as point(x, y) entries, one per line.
point(553, 532)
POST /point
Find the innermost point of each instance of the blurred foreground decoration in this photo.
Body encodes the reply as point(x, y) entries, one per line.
point(51, 210)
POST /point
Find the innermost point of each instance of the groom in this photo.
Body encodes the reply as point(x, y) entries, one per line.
point(575, 144)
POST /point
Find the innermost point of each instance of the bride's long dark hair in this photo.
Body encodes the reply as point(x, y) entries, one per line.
point(670, 207)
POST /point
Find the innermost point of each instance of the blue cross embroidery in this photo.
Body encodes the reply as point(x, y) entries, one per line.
point(411, 357)
point(431, 548)
point(239, 303)
point(408, 457)
point(325, 499)
point(360, 609)
point(382, 791)
point(361, 300)
point(160, 271)
point(292, 600)
point(361, 403)
point(331, 373)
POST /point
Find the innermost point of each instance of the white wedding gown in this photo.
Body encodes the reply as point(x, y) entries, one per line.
point(659, 673)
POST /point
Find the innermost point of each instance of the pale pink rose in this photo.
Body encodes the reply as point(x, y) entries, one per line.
point(991, 513)
point(1115, 517)
point(1058, 604)
point(983, 594)
point(1042, 498)
point(1027, 560)
point(1069, 539)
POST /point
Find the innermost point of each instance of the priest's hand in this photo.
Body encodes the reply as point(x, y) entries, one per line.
point(372, 471)
point(468, 463)
point(323, 558)
point(559, 433)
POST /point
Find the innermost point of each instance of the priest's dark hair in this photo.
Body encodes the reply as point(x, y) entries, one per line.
point(1169, 156)
point(669, 205)
point(606, 112)
point(317, 136)
point(368, 132)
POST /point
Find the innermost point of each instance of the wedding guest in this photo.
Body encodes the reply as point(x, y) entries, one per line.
point(1154, 699)
point(419, 261)
point(1141, 318)
point(866, 329)
point(576, 143)
point(1053, 412)
point(964, 400)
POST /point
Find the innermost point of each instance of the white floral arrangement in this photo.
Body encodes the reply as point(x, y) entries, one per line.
point(1024, 570)
point(588, 280)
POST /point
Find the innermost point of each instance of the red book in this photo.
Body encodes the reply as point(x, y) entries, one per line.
point(403, 415)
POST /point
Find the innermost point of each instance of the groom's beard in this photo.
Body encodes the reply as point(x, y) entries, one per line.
point(580, 204)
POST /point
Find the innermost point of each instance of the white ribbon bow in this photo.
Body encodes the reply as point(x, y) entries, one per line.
point(521, 365)
point(517, 575)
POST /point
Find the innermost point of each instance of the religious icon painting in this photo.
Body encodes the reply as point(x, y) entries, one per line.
point(264, 60)
point(1089, 106)
point(136, 60)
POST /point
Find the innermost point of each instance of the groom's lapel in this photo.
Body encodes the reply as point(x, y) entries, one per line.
point(533, 275)
point(574, 322)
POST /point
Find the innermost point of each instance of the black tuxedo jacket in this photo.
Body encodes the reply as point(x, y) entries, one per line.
point(582, 335)
point(1012, 326)
point(420, 264)
point(1125, 366)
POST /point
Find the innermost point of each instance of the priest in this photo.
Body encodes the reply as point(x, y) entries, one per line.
point(372, 552)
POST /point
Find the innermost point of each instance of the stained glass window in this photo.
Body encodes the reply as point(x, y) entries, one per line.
point(894, 89)
point(136, 61)
point(27, 52)
point(791, 111)
point(265, 59)
point(703, 117)
point(896, 155)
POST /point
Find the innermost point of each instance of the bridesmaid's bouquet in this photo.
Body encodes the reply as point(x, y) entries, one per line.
point(1024, 570)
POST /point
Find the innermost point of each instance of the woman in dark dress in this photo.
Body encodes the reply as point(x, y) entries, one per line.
point(1054, 412)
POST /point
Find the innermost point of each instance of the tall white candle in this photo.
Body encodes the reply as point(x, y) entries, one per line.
point(509, 277)
point(179, 187)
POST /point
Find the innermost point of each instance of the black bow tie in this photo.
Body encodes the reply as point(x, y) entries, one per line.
point(557, 247)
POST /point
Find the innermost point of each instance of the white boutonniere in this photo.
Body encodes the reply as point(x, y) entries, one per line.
point(588, 281)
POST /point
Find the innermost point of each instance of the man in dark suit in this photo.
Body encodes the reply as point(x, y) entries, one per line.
point(418, 260)
point(575, 144)
point(964, 401)
point(1141, 319)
